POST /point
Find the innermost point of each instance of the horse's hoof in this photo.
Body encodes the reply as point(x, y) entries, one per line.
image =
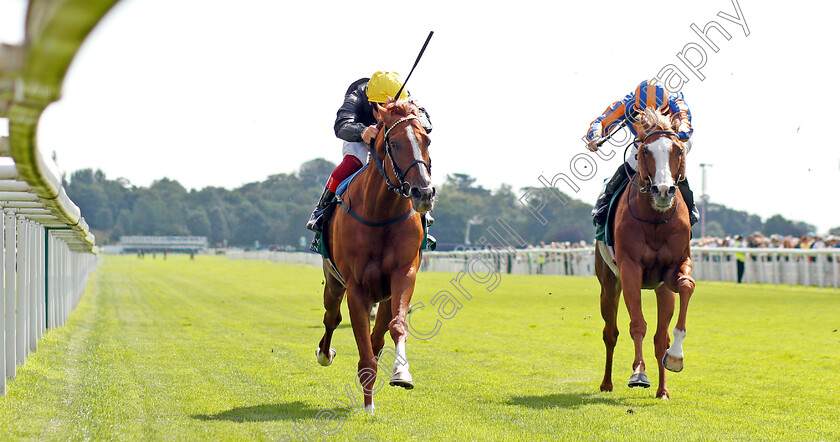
point(639, 380)
point(663, 394)
point(672, 363)
point(369, 409)
point(324, 359)
point(402, 379)
point(606, 386)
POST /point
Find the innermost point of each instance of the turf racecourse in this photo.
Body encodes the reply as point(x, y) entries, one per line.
point(213, 349)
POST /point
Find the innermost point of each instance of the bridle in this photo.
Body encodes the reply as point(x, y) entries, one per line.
point(402, 188)
point(649, 179)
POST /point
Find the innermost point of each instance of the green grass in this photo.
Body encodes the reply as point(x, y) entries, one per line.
point(223, 350)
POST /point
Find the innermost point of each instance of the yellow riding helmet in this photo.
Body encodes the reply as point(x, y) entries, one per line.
point(383, 86)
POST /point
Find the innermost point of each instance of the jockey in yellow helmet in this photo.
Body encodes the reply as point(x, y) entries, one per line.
point(355, 124)
point(647, 94)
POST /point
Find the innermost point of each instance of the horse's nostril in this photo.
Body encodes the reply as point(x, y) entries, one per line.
point(672, 190)
point(434, 191)
point(415, 192)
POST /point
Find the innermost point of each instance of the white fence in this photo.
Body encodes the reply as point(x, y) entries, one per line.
point(47, 249)
point(809, 267)
point(265, 255)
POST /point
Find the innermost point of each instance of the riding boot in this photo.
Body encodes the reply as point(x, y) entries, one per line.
point(599, 213)
point(316, 220)
point(688, 197)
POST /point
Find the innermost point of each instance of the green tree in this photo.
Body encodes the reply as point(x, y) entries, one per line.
point(198, 223)
point(315, 172)
point(219, 226)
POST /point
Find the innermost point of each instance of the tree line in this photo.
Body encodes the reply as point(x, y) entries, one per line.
point(273, 212)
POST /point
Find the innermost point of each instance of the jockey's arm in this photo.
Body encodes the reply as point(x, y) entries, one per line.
point(609, 119)
point(347, 125)
point(677, 106)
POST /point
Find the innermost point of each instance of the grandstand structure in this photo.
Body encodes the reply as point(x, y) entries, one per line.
point(160, 244)
point(48, 251)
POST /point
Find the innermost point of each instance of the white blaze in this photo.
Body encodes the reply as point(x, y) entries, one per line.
point(415, 148)
point(661, 151)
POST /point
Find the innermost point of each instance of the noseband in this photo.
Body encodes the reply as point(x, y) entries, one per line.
point(403, 188)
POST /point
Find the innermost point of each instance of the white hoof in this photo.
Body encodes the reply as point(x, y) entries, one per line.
point(325, 359)
point(402, 379)
point(369, 409)
point(672, 363)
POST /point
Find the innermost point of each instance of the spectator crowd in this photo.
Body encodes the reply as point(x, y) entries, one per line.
point(758, 240)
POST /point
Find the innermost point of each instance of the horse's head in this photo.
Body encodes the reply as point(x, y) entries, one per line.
point(661, 157)
point(404, 144)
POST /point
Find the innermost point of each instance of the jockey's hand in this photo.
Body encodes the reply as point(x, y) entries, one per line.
point(592, 145)
point(370, 133)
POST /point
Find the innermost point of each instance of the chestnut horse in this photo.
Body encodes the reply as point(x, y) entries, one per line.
point(652, 233)
point(374, 243)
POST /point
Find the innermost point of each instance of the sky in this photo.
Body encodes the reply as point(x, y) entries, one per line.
point(215, 94)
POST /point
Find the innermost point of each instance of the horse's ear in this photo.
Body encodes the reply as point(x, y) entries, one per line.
point(381, 109)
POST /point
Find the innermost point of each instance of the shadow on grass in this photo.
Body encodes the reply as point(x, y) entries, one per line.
point(265, 413)
point(340, 326)
point(570, 400)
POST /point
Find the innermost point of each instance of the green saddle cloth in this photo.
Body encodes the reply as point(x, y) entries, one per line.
point(319, 246)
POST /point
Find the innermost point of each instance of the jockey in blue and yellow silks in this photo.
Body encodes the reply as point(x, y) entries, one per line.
point(647, 94)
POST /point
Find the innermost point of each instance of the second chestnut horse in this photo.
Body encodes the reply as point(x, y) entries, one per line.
point(652, 233)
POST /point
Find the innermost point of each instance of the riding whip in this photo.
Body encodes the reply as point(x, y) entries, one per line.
point(422, 50)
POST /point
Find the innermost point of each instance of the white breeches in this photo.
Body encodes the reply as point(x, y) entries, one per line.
point(356, 148)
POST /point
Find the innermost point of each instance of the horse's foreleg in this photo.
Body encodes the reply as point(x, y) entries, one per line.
point(610, 291)
point(359, 307)
point(333, 295)
point(383, 318)
point(631, 283)
point(673, 358)
point(661, 340)
point(401, 290)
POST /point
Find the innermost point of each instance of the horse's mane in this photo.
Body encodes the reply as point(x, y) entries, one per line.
point(402, 108)
point(655, 120)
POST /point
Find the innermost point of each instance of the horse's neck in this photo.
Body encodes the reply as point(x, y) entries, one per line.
point(375, 201)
